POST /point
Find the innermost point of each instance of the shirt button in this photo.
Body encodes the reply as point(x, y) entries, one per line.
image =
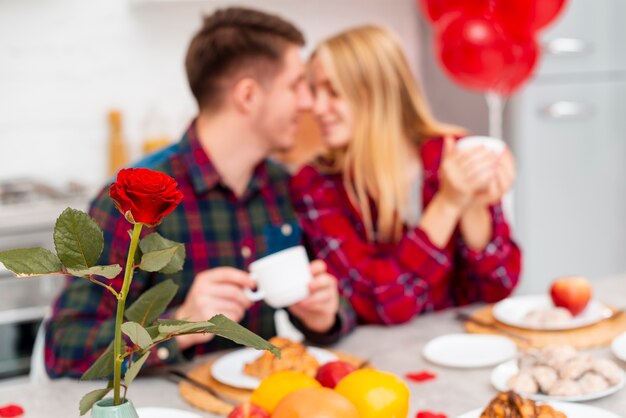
point(286, 229)
point(246, 251)
point(163, 353)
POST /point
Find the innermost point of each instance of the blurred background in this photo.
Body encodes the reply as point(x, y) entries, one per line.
point(87, 83)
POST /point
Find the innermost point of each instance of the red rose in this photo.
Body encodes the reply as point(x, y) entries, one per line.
point(145, 196)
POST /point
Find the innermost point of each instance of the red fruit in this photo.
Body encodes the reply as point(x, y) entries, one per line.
point(248, 410)
point(571, 293)
point(331, 373)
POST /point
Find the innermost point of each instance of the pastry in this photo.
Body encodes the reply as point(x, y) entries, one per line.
point(294, 356)
point(558, 370)
point(512, 405)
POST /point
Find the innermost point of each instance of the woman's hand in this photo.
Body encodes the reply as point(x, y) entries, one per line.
point(464, 175)
point(500, 184)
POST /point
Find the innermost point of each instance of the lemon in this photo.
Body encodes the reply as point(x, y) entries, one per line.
point(278, 385)
point(375, 394)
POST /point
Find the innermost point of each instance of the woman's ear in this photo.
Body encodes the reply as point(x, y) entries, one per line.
point(246, 94)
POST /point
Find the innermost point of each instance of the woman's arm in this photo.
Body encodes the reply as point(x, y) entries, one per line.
point(385, 284)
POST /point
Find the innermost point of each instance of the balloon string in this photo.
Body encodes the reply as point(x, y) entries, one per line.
point(495, 104)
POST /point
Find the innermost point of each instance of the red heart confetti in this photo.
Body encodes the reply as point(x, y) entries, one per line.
point(420, 376)
point(429, 414)
point(10, 411)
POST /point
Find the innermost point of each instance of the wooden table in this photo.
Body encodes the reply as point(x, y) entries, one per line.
point(395, 349)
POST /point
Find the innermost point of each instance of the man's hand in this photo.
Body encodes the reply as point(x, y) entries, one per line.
point(214, 291)
point(319, 310)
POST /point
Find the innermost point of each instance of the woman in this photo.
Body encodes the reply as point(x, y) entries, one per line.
point(406, 222)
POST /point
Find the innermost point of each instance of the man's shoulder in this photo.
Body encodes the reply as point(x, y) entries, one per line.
point(102, 209)
point(159, 160)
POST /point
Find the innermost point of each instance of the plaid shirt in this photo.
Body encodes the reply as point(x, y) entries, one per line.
point(391, 283)
point(218, 229)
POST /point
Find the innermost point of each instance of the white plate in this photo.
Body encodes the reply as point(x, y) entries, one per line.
point(154, 412)
point(511, 311)
point(501, 375)
point(228, 369)
point(619, 347)
point(572, 410)
point(469, 350)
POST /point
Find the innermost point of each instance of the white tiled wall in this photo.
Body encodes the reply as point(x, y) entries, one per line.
point(64, 63)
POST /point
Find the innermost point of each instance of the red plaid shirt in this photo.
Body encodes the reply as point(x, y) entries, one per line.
point(391, 283)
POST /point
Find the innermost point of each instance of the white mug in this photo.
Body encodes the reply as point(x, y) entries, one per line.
point(282, 278)
point(491, 143)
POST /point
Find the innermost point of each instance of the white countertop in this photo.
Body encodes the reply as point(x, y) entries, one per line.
point(395, 349)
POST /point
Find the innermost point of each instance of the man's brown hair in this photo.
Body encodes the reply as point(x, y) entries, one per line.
point(232, 40)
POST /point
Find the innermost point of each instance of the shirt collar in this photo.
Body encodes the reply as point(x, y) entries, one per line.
point(202, 171)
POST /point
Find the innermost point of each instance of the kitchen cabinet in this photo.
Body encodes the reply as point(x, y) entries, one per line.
point(567, 130)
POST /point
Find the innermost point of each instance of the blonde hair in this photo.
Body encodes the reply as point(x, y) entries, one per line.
point(368, 69)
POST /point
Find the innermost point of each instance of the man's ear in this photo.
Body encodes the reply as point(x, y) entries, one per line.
point(246, 94)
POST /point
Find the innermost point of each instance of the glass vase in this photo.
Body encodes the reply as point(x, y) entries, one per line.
point(105, 409)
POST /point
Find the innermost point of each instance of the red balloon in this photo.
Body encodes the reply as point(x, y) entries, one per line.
point(435, 9)
point(473, 50)
point(524, 58)
point(522, 18)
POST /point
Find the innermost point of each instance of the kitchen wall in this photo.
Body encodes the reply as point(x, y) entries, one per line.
point(64, 63)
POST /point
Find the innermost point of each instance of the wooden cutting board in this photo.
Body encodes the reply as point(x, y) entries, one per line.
point(597, 335)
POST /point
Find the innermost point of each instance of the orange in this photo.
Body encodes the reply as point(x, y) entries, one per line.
point(375, 394)
point(315, 403)
point(278, 385)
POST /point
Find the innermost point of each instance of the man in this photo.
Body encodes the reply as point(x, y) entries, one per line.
point(246, 74)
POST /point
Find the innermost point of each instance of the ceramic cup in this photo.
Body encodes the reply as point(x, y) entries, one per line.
point(282, 278)
point(491, 143)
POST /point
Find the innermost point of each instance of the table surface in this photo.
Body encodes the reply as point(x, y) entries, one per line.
point(395, 349)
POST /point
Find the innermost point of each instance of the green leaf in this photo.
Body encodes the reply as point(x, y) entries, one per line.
point(103, 366)
point(155, 242)
point(235, 332)
point(185, 327)
point(87, 402)
point(26, 262)
point(77, 239)
point(137, 334)
point(168, 321)
point(152, 303)
point(219, 325)
point(110, 272)
point(153, 331)
point(157, 260)
point(133, 370)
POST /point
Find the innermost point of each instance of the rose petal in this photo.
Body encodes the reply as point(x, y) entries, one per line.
point(429, 414)
point(11, 410)
point(420, 376)
point(148, 195)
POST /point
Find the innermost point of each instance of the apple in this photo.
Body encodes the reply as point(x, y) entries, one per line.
point(331, 373)
point(571, 293)
point(248, 410)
